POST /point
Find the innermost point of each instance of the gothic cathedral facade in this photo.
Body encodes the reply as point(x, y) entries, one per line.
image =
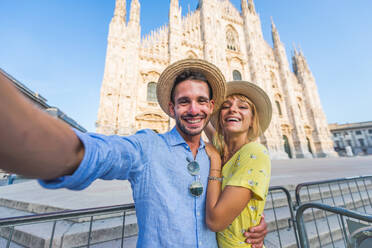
point(217, 32)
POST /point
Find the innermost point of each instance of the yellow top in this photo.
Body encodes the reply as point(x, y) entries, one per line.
point(250, 167)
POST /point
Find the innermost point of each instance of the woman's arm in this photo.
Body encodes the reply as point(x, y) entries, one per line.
point(222, 208)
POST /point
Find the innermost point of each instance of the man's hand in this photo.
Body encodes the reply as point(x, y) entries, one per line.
point(256, 234)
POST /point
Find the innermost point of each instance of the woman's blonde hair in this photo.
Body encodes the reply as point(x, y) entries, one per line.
point(253, 132)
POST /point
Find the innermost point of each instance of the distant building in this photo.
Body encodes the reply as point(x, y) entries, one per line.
point(358, 136)
point(40, 102)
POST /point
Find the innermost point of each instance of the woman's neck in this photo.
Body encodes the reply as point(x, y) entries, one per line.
point(232, 144)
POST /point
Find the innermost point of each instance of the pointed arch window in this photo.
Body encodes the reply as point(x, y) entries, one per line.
point(299, 109)
point(299, 104)
point(151, 92)
point(232, 39)
point(287, 148)
point(237, 75)
point(279, 108)
point(309, 145)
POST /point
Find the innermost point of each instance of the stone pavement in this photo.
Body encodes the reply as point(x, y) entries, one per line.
point(295, 171)
point(31, 197)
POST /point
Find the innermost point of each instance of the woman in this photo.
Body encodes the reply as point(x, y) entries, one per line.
point(237, 192)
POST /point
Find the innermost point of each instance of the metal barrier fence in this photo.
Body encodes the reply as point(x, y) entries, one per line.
point(343, 234)
point(351, 193)
point(91, 227)
point(280, 218)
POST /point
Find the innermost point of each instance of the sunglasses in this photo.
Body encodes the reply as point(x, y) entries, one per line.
point(196, 187)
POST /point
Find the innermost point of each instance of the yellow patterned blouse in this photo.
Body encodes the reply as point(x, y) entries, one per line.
point(250, 167)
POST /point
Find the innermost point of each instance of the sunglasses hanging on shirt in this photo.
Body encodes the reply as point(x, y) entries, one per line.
point(196, 187)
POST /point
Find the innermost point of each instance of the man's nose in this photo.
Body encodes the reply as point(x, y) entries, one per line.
point(194, 108)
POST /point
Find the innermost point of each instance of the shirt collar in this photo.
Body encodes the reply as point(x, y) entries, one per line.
point(175, 138)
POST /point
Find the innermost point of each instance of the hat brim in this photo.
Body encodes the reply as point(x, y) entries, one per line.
point(258, 97)
point(166, 81)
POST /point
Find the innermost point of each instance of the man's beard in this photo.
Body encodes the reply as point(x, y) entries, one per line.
point(188, 131)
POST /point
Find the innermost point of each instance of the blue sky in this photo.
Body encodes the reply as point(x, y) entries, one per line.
point(58, 48)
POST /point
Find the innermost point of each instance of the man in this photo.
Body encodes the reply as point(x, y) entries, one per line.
point(168, 172)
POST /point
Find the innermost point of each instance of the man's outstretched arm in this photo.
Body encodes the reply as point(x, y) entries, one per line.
point(32, 143)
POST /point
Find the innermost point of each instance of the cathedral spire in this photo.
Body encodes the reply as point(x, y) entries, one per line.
point(274, 33)
point(304, 61)
point(247, 7)
point(174, 3)
point(175, 10)
point(294, 59)
point(120, 10)
point(244, 5)
point(301, 53)
point(299, 62)
point(279, 49)
point(174, 31)
point(294, 49)
point(134, 12)
point(251, 7)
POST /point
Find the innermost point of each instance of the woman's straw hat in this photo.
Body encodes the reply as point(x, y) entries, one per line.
point(211, 72)
point(258, 97)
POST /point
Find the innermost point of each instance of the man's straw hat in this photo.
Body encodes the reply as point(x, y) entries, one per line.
point(258, 97)
point(166, 80)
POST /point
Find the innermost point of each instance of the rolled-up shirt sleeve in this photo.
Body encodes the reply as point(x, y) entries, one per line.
point(105, 157)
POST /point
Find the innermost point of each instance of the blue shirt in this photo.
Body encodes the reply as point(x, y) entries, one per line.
point(156, 166)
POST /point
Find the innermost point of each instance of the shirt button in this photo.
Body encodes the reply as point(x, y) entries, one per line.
point(198, 213)
point(200, 243)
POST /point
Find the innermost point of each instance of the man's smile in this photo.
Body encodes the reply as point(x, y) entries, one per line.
point(193, 120)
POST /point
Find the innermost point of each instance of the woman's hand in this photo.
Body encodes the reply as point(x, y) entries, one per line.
point(214, 156)
point(210, 131)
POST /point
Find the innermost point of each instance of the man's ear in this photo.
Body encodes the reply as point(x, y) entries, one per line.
point(211, 102)
point(171, 109)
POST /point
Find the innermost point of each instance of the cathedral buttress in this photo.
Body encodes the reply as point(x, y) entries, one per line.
point(212, 31)
point(107, 122)
point(174, 31)
point(128, 89)
point(295, 113)
point(314, 111)
point(254, 39)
